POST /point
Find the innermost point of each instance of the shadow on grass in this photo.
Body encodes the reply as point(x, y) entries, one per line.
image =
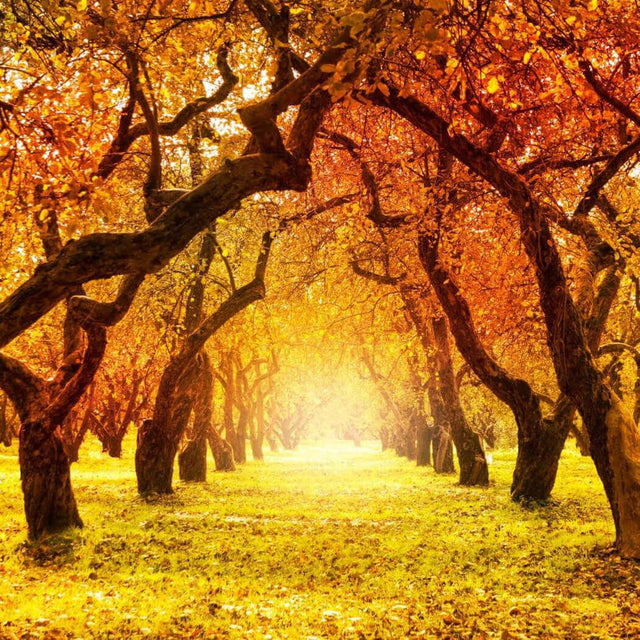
point(56, 550)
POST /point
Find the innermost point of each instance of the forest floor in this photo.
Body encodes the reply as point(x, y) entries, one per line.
point(332, 541)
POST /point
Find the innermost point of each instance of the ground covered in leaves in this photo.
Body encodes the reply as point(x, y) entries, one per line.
point(331, 541)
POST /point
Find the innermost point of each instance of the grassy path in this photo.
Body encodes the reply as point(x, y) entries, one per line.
point(328, 542)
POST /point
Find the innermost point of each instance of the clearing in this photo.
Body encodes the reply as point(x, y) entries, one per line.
point(330, 541)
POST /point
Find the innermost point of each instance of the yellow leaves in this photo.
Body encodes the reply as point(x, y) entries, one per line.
point(526, 57)
point(355, 21)
point(593, 5)
point(493, 85)
point(383, 88)
point(452, 66)
point(438, 5)
point(82, 5)
point(420, 54)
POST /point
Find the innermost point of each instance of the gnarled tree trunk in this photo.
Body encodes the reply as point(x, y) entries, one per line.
point(49, 502)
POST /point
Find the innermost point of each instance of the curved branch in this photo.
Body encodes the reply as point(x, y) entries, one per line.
point(103, 255)
point(72, 392)
point(127, 135)
point(596, 84)
point(86, 310)
point(376, 277)
point(619, 347)
point(590, 198)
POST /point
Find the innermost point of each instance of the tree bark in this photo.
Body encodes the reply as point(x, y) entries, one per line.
point(425, 437)
point(192, 460)
point(222, 451)
point(155, 453)
point(473, 465)
point(49, 503)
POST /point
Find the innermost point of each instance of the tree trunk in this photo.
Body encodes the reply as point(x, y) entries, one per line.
point(114, 446)
point(192, 460)
point(385, 438)
point(425, 435)
point(256, 448)
point(49, 503)
point(410, 440)
point(582, 440)
point(540, 444)
point(271, 440)
point(222, 451)
point(240, 442)
point(159, 438)
point(155, 453)
point(257, 429)
point(442, 451)
point(473, 465)
point(441, 438)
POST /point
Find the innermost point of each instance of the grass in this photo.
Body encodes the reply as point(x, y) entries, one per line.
point(332, 541)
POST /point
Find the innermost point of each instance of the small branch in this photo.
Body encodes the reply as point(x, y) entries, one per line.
point(619, 347)
point(597, 85)
point(600, 180)
point(376, 277)
point(87, 310)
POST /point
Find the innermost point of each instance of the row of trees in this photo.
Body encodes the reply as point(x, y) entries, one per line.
point(472, 162)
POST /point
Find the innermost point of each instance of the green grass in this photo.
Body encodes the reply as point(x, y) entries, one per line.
point(331, 541)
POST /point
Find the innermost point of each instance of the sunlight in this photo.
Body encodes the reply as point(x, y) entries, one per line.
point(314, 318)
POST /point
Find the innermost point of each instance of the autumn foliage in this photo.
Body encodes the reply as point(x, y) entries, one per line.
point(236, 224)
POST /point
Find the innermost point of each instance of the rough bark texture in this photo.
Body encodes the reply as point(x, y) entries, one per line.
point(49, 502)
point(155, 453)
